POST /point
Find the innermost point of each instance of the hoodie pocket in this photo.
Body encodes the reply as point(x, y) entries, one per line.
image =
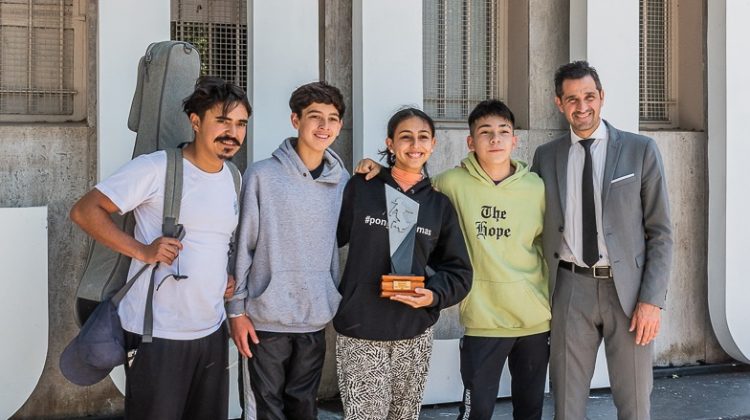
point(296, 299)
point(503, 305)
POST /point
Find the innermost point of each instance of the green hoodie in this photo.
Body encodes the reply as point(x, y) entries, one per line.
point(502, 226)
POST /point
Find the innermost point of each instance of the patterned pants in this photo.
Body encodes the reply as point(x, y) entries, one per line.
point(383, 379)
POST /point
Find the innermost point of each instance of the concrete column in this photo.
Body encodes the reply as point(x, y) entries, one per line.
point(117, 72)
point(119, 49)
point(387, 74)
point(728, 230)
point(386, 67)
point(337, 70)
point(549, 45)
point(283, 54)
point(605, 33)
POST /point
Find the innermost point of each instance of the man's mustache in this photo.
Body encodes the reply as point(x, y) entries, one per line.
point(225, 138)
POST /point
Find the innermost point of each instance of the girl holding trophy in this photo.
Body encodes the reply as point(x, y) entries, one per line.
point(407, 261)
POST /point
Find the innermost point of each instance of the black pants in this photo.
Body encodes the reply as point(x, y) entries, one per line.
point(178, 379)
point(285, 374)
point(482, 361)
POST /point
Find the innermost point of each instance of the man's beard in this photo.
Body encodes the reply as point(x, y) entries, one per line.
point(227, 153)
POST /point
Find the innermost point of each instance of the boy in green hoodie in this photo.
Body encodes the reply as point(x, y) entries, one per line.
point(506, 315)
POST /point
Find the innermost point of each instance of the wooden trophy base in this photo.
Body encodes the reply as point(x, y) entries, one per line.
point(396, 284)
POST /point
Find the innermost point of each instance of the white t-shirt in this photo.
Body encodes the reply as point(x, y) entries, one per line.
point(194, 307)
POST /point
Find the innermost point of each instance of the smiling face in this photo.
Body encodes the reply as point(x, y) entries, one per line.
point(493, 141)
point(317, 128)
point(581, 103)
point(219, 136)
point(412, 144)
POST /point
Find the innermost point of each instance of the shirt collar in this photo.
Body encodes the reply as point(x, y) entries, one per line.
point(599, 134)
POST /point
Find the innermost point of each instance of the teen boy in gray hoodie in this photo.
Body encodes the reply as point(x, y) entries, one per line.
point(287, 258)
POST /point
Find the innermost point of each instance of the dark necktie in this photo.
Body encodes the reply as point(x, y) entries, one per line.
point(588, 209)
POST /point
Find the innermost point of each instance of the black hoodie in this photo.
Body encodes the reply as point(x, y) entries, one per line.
point(439, 244)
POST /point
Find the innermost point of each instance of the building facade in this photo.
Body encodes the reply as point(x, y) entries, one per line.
point(671, 69)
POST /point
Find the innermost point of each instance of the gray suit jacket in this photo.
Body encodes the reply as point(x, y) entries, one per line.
point(635, 214)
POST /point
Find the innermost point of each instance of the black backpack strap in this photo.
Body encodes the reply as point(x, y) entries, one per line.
point(170, 228)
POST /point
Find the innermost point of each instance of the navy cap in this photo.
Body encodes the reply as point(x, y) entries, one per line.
point(97, 349)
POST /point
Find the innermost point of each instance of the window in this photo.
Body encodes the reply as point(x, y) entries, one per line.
point(657, 76)
point(42, 60)
point(218, 29)
point(462, 58)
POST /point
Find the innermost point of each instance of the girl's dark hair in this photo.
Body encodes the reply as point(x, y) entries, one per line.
point(398, 118)
point(212, 90)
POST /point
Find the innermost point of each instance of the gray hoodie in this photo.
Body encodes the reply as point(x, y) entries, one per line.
point(287, 256)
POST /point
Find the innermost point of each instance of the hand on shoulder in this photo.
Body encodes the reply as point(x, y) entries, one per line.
point(368, 167)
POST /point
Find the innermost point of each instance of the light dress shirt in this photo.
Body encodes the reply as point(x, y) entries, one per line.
point(572, 245)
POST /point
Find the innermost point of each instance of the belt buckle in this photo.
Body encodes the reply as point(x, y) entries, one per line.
point(596, 270)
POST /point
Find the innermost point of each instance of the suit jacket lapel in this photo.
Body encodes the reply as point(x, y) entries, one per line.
point(562, 169)
point(613, 154)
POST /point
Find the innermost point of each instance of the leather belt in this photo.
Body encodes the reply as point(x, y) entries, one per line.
point(598, 272)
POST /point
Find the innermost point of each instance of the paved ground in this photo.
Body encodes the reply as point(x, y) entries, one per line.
point(717, 392)
point(695, 393)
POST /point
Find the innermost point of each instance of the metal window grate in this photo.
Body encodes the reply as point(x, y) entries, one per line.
point(218, 29)
point(460, 42)
point(36, 57)
point(656, 100)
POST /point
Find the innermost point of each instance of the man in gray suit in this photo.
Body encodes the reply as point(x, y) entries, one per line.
point(608, 243)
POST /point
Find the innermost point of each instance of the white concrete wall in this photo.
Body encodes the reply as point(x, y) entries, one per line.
point(728, 149)
point(283, 55)
point(125, 30)
point(117, 73)
point(386, 68)
point(605, 33)
point(24, 317)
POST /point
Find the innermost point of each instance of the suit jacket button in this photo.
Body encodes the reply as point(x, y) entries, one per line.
point(561, 229)
point(556, 255)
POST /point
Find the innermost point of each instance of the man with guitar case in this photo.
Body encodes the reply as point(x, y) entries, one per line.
point(173, 314)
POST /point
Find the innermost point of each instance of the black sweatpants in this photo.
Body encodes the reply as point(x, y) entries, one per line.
point(482, 361)
point(178, 379)
point(285, 374)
